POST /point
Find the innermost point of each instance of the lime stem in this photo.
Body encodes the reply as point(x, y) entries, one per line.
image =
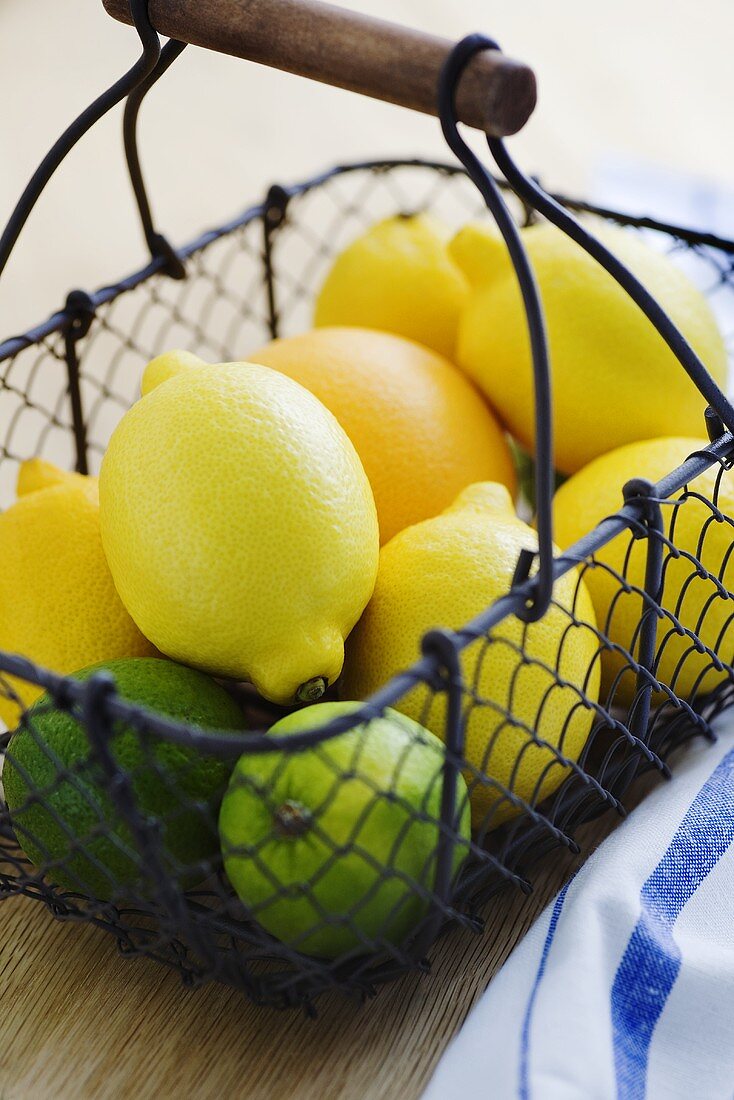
point(292, 819)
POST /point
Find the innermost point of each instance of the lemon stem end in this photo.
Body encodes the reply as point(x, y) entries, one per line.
point(312, 690)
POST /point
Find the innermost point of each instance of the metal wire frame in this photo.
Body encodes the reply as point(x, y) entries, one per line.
point(182, 925)
point(302, 982)
point(80, 126)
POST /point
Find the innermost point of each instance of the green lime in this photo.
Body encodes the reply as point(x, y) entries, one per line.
point(65, 820)
point(333, 848)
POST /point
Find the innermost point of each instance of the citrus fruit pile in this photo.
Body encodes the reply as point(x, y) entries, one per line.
point(298, 520)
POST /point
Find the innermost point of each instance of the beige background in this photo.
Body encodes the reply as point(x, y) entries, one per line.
point(650, 78)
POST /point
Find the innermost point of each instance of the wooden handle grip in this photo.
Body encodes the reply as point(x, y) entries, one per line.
point(366, 55)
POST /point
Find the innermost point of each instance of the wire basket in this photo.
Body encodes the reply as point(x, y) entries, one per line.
point(126, 835)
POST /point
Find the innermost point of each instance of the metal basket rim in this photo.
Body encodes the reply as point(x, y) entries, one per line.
point(61, 319)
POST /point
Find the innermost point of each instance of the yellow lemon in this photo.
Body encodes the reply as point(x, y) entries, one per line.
point(614, 378)
point(695, 600)
point(422, 430)
point(397, 277)
point(38, 473)
point(166, 366)
point(444, 572)
point(58, 604)
point(240, 526)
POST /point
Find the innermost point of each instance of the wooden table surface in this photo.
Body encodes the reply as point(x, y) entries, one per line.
point(79, 1022)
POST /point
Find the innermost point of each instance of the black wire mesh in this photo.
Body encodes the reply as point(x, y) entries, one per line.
point(349, 845)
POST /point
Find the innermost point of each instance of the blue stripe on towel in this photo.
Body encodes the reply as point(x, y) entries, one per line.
point(652, 958)
point(525, 1034)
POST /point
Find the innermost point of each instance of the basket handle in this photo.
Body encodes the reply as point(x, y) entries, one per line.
point(146, 66)
point(349, 50)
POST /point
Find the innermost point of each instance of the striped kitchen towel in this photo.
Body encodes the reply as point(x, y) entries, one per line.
point(624, 987)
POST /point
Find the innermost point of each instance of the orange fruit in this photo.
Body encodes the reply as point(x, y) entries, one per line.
point(420, 427)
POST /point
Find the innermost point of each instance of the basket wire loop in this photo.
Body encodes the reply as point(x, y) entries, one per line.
point(142, 68)
point(653, 531)
point(531, 193)
point(537, 603)
point(99, 692)
point(274, 214)
point(82, 310)
point(158, 244)
point(442, 645)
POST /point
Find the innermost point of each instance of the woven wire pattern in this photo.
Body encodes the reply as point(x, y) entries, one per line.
point(115, 859)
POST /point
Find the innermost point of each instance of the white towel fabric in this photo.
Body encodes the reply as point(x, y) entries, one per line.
point(624, 987)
